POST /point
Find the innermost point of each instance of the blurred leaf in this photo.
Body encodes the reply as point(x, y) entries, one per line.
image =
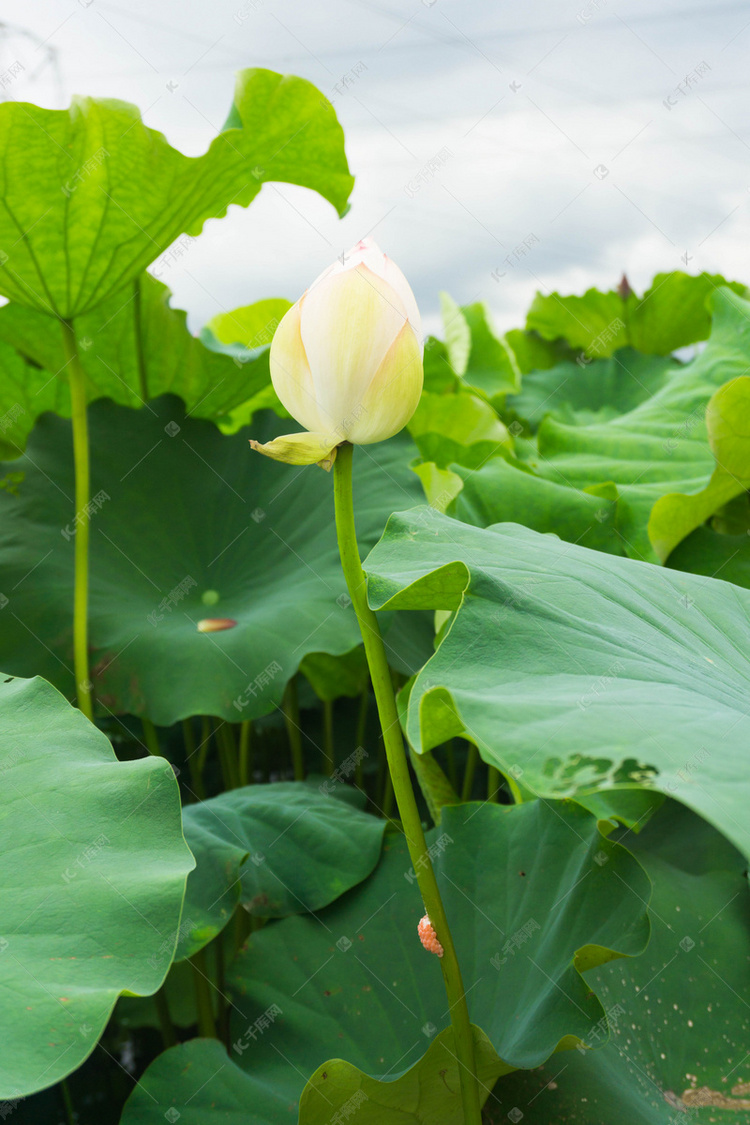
point(675, 515)
point(658, 446)
point(251, 326)
point(441, 486)
point(671, 314)
point(484, 361)
point(458, 427)
point(505, 491)
point(591, 392)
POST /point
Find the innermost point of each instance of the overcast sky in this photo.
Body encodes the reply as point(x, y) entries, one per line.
point(607, 136)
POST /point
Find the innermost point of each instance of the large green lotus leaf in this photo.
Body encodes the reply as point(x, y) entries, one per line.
point(534, 894)
point(90, 196)
point(199, 1082)
point(508, 491)
point(659, 446)
point(591, 392)
point(94, 869)
point(184, 512)
point(573, 671)
point(679, 1015)
point(672, 313)
point(279, 849)
point(728, 423)
point(133, 347)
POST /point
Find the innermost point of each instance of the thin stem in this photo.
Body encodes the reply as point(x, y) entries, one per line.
point(193, 759)
point(227, 755)
point(328, 752)
point(290, 707)
point(206, 1023)
point(222, 1019)
point(150, 737)
point(246, 749)
point(451, 756)
point(166, 1026)
point(205, 743)
point(77, 381)
point(68, 1103)
point(493, 783)
point(364, 706)
point(471, 765)
point(399, 770)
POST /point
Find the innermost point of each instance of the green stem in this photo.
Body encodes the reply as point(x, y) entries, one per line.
point(471, 765)
point(328, 753)
point(150, 737)
point(399, 771)
point(206, 1023)
point(451, 756)
point(77, 381)
point(290, 707)
point(493, 783)
point(193, 759)
point(68, 1103)
point(227, 755)
point(364, 706)
point(222, 1019)
point(205, 744)
point(386, 805)
point(168, 1033)
point(246, 748)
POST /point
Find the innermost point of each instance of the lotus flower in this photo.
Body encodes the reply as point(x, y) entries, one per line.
point(346, 359)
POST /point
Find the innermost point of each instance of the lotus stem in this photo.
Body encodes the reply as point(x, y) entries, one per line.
point(290, 707)
point(77, 382)
point(399, 771)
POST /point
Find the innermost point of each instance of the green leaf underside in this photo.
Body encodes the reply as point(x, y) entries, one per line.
point(133, 347)
point(90, 196)
point(356, 984)
point(678, 1015)
point(94, 874)
point(579, 672)
point(278, 849)
point(219, 518)
point(658, 446)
